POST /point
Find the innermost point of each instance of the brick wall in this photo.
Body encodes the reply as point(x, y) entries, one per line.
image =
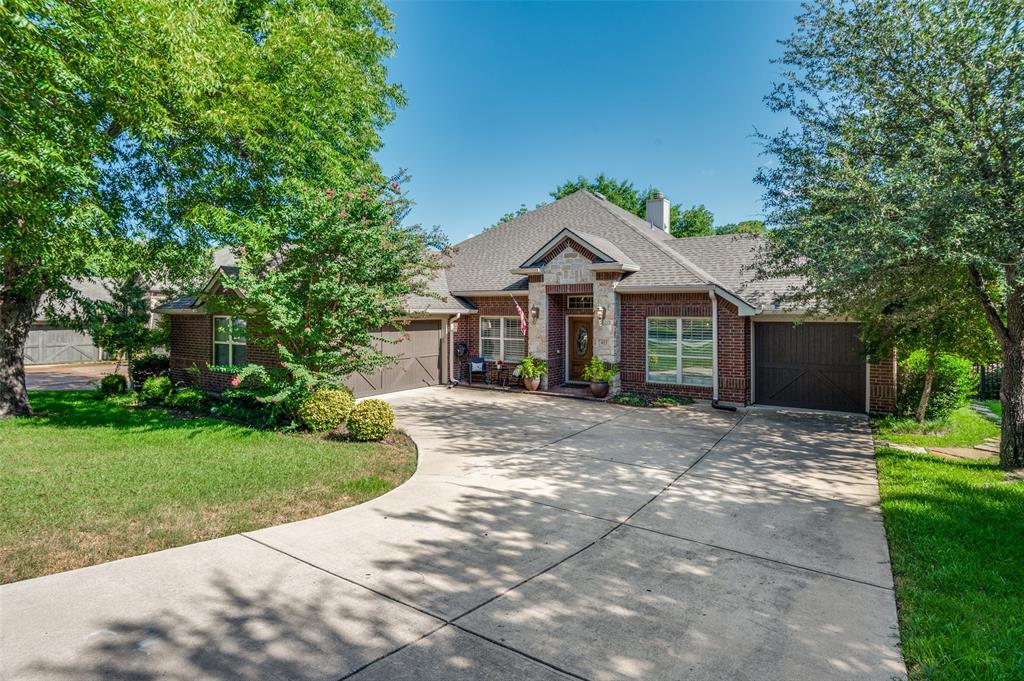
point(636, 308)
point(192, 346)
point(733, 344)
point(568, 243)
point(733, 354)
point(882, 385)
point(469, 325)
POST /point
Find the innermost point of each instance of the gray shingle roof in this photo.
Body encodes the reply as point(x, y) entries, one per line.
point(484, 262)
point(224, 260)
point(731, 260)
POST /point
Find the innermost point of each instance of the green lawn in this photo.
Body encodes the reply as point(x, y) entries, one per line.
point(964, 428)
point(956, 536)
point(995, 405)
point(86, 481)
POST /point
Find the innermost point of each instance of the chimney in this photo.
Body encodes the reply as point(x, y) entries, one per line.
point(658, 211)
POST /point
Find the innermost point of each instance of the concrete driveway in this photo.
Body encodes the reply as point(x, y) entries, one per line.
point(541, 538)
point(84, 376)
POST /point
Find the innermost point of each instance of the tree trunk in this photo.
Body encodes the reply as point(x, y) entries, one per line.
point(926, 392)
point(1011, 394)
point(1010, 335)
point(17, 311)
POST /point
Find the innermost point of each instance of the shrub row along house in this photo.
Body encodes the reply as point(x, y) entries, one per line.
point(676, 316)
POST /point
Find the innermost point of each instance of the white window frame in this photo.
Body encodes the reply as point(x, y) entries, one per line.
point(679, 351)
point(230, 342)
point(502, 337)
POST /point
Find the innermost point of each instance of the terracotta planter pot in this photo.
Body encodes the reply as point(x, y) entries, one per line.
point(531, 383)
point(599, 389)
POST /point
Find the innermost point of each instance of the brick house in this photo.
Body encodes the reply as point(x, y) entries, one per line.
point(675, 316)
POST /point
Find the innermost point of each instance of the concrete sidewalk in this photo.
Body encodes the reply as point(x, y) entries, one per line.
point(541, 538)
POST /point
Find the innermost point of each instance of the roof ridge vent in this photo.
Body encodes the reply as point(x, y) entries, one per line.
point(600, 196)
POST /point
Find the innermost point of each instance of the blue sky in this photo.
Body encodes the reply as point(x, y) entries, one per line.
point(507, 100)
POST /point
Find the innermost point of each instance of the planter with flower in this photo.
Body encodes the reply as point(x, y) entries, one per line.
point(600, 376)
point(531, 371)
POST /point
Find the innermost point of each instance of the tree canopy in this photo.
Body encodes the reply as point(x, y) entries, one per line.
point(907, 156)
point(142, 130)
point(694, 221)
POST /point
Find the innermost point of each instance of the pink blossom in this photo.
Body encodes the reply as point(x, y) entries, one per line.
point(394, 185)
point(235, 382)
point(330, 193)
point(343, 214)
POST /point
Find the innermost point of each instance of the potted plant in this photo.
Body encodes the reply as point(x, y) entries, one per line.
point(531, 370)
point(600, 375)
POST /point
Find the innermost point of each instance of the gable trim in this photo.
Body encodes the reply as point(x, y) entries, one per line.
point(565, 239)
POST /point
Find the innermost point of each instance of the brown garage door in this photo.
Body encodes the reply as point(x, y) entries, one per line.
point(418, 364)
point(814, 365)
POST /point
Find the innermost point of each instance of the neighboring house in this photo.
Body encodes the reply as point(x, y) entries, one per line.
point(677, 316)
point(51, 344)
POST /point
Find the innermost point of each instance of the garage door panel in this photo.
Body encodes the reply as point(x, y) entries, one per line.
point(812, 365)
point(418, 354)
point(49, 345)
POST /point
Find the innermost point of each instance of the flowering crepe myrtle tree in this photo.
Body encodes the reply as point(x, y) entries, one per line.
point(907, 155)
point(317, 282)
point(168, 124)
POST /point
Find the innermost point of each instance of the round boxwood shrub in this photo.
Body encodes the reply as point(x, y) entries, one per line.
point(371, 420)
point(326, 409)
point(156, 389)
point(955, 381)
point(113, 384)
point(188, 399)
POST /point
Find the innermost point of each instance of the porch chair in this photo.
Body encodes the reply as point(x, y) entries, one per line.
point(476, 365)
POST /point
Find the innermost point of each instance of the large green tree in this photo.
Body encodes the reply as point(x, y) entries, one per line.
point(908, 153)
point(919, 307)
point(317, 282)
point(169, 123)
point(694, 221)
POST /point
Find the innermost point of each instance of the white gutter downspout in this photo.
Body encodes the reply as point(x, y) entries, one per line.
point(451, 347)
point(714, 346)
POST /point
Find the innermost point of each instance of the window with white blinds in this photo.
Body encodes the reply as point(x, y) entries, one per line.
point(501, 338)
point(679, 350)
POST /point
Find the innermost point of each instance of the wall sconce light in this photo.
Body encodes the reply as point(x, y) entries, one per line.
point(534, 313)
point(599, 313)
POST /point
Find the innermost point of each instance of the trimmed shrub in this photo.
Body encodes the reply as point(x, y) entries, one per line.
point(188, 399)
point(955, 381)
point(113, 384)
point(145, 367)
point(326, 409)
point(371, 420)
point(156, 389)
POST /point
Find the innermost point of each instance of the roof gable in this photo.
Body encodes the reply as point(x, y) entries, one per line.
point(594, 248)
point(492, 260)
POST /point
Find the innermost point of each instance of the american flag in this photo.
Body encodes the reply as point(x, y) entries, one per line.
point(522, 316)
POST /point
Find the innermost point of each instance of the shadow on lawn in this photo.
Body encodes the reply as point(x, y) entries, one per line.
point(82, 409)
point(956, 534)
